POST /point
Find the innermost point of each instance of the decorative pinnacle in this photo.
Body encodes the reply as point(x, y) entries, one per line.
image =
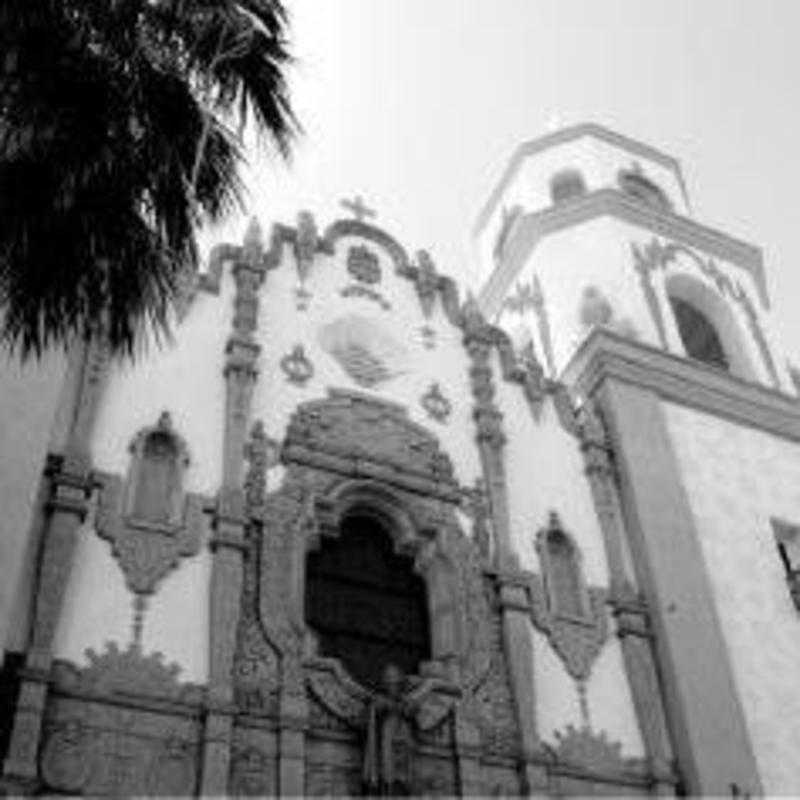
point(358, 208)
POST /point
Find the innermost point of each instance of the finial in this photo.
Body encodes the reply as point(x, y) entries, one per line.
point(253, 236)
point(358, 208)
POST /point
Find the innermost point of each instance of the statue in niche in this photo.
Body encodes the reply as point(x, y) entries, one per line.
point(389, 743)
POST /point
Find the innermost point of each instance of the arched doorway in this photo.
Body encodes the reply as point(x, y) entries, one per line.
point(364, 602)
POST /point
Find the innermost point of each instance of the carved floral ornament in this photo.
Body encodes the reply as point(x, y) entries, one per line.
point(296, 366)
point(436, 405)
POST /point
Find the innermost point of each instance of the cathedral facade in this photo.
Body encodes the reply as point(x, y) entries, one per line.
point(358, 530)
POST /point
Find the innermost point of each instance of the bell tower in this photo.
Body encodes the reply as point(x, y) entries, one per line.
point(588, 228)
point(588, 250)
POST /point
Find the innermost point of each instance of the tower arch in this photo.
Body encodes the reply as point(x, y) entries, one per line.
point(706, 325)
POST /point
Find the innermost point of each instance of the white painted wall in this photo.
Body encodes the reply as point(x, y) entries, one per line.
point(545, 472)
point(736, 479)
point(185, 378)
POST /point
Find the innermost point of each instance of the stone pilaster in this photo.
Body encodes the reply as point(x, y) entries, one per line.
point(468, 757)
point(514, 603)
point(65, 511)
point(628, 607)
point(230, 520)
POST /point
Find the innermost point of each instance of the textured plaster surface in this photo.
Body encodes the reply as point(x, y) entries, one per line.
point(737, 479)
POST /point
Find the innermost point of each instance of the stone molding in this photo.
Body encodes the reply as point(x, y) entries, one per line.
point(341, 433)
point(613, 203)
point(682, 381)
point(590, 129)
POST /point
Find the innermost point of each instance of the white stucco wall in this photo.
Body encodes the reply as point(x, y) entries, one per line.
point(598, 253)
point(185, 378)
point(736, 479)
point(282, 326)
point(545, 472)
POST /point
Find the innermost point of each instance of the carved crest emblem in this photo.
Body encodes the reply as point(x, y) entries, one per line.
point(296, 366)
point(363, 265)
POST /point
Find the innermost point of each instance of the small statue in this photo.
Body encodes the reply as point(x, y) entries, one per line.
point(390, 737)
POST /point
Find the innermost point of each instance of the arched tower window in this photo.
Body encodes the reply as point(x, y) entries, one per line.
point(365, 603)
point(699, 336)
point(566, 184)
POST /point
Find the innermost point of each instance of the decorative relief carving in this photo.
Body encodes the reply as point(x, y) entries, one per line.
point(296, 366)
point(366, 352)
point(584, 748)
point(577, 628)
point(521, 300)
point(362, 429)
point(108, 751)
point(261, 453)
point(252, 773)
point(356, 290)
point(436, 404)
point(142, 518)
point(363, 265)
point(147, 551)
point(126, 672)
point(312, 501)
point(63, 761)
point(426, 282)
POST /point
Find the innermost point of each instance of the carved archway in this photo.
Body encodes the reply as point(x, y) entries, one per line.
point(351, 454)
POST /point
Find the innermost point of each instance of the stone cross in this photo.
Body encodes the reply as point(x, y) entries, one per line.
point(358, 208)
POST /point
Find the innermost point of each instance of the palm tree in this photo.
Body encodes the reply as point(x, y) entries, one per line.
point(119, 135)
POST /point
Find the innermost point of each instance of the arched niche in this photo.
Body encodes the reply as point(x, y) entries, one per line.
point(702, 315)
point(154, 488)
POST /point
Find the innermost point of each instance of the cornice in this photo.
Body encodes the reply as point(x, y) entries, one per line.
point(606, 355)
point(534, 146)
point(531, 228)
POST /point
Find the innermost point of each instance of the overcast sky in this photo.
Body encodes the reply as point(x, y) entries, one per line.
point(418, 104)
